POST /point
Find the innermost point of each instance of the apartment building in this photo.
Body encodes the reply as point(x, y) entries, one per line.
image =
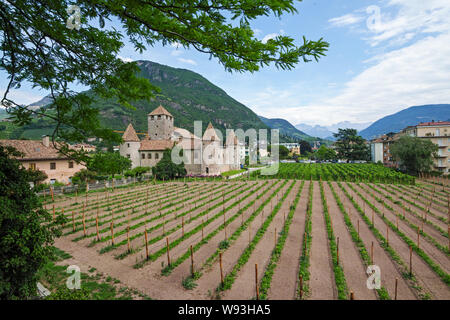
point(439, 133)
point(380, 149)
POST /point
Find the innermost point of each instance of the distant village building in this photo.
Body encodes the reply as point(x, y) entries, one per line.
point(294, 148)
point(203, 156)
point(42, 155)
point(84, 147)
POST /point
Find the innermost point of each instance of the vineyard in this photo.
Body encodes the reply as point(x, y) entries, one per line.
point(340, 172)
point(267, 238)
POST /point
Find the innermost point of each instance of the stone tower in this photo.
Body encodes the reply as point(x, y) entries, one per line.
point(160, 124)
point(131, 145)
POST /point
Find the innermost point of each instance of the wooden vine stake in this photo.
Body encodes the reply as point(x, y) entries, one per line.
point(221, 270)
point(182, 226)
point(256, 281)
point(96, 225)
point(84, 224)
point(410, 260)
point(387, 235)
point(275, 238)
point(418, 238)
point(146, 243)
point(337, 250)
point(224, 225)
point(352, 295)
point(192, 262)
point(448, 232)
point(112, 233)
point(358, 229)
point(371, 252)
point(128, 239)
point(164, 226)
point(168, 251)
point(202, 228)
point(396, 286)
point(54, 216)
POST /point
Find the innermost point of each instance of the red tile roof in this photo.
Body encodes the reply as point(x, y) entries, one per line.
point(160, 110)
point(130, 134)
point(34, 149)
point(155, 145)
point(436, 123)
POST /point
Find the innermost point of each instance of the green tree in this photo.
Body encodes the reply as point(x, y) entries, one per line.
point(324, 153)
point(40, 49)
point(415, 155)
point(84, 175)
point(165, 169)
point(36, 176)
point(109, 163)
point(283, 152)
point(350, 146)
point(304, 146)
point(26, 230)
point(137, 172)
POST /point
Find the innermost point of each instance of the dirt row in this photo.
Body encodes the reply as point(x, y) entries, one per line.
point(284, 284)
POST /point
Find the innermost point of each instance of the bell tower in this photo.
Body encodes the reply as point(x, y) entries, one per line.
point(160, 124)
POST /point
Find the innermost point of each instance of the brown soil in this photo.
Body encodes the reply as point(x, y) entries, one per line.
point(321, 283)
point(349, 257)
point(426, 277)
point(284, 281)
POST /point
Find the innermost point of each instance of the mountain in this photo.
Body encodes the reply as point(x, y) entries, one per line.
point(286, 128)
point(43, 102)
point(407, 117)
point(326, 132)
point(185, 94)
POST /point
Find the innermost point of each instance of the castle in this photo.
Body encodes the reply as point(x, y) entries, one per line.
point(202, 156)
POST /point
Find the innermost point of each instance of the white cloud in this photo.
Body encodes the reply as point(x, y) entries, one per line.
point(257, 31)
point(413, 17)
point(414, 75)
point(188, 61)
point(398, 21)
point(345, 20)
point(125, 59)
point(176, 53)
point(269, 36)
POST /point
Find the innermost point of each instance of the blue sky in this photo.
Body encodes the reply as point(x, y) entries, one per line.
point(384, 56)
